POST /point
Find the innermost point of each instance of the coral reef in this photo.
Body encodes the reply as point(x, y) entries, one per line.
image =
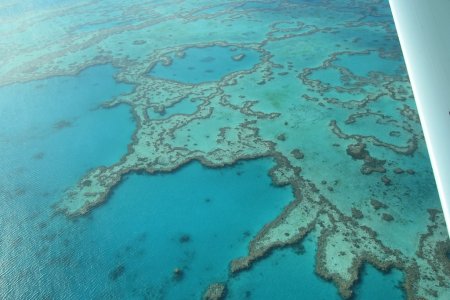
point(215, 291)
point(358, 151)
point(307, 90)
point(376, 204)
point(177, 274)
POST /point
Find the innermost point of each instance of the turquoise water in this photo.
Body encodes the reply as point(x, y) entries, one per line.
point(362, 64)
point(184, 106)
point(196, 187)
point(76, 258)
point(215, 9)
point(154, 213)
point(40, 159)
point(382, 286)
point(328, 76)
point(259, 5)
point(206, 64)
point(47, 137)
point(290, 274)
point(286, 274)
point(16, 8)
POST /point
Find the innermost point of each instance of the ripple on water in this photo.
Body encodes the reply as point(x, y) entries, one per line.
point(39, 160)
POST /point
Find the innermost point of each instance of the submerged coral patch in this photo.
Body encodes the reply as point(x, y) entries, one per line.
point(205, 64)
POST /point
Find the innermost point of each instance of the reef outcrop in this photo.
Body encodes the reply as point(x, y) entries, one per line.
point(215, 291)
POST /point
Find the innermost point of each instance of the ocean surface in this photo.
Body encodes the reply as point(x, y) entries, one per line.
point(147, 148)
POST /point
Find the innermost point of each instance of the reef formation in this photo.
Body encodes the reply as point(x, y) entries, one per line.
point(305, 101)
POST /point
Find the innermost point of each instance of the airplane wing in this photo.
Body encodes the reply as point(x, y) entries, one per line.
point(424, 32)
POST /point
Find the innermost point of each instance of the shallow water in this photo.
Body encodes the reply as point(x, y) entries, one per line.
point(362, 64)
point(197, 65)
point(184, 106)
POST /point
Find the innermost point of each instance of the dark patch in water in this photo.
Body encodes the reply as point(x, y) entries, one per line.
point(177, 274)
point(42, 225)
point(117, 272)
point(86, 182)
point(17, 242)
point(64, 260)
point(42, 251)
point(20, 191)
point(184, 238)
point(139, 42)
point(39, 155)
point(49, 237)
point(142, 237)
point(208, 59)
point(299, 249)
point(62, 124)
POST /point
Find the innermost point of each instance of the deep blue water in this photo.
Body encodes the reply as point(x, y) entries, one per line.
point(377, 285)
point(55, 131)
point(52, 135)
point(218, 210)
point(286, 274)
